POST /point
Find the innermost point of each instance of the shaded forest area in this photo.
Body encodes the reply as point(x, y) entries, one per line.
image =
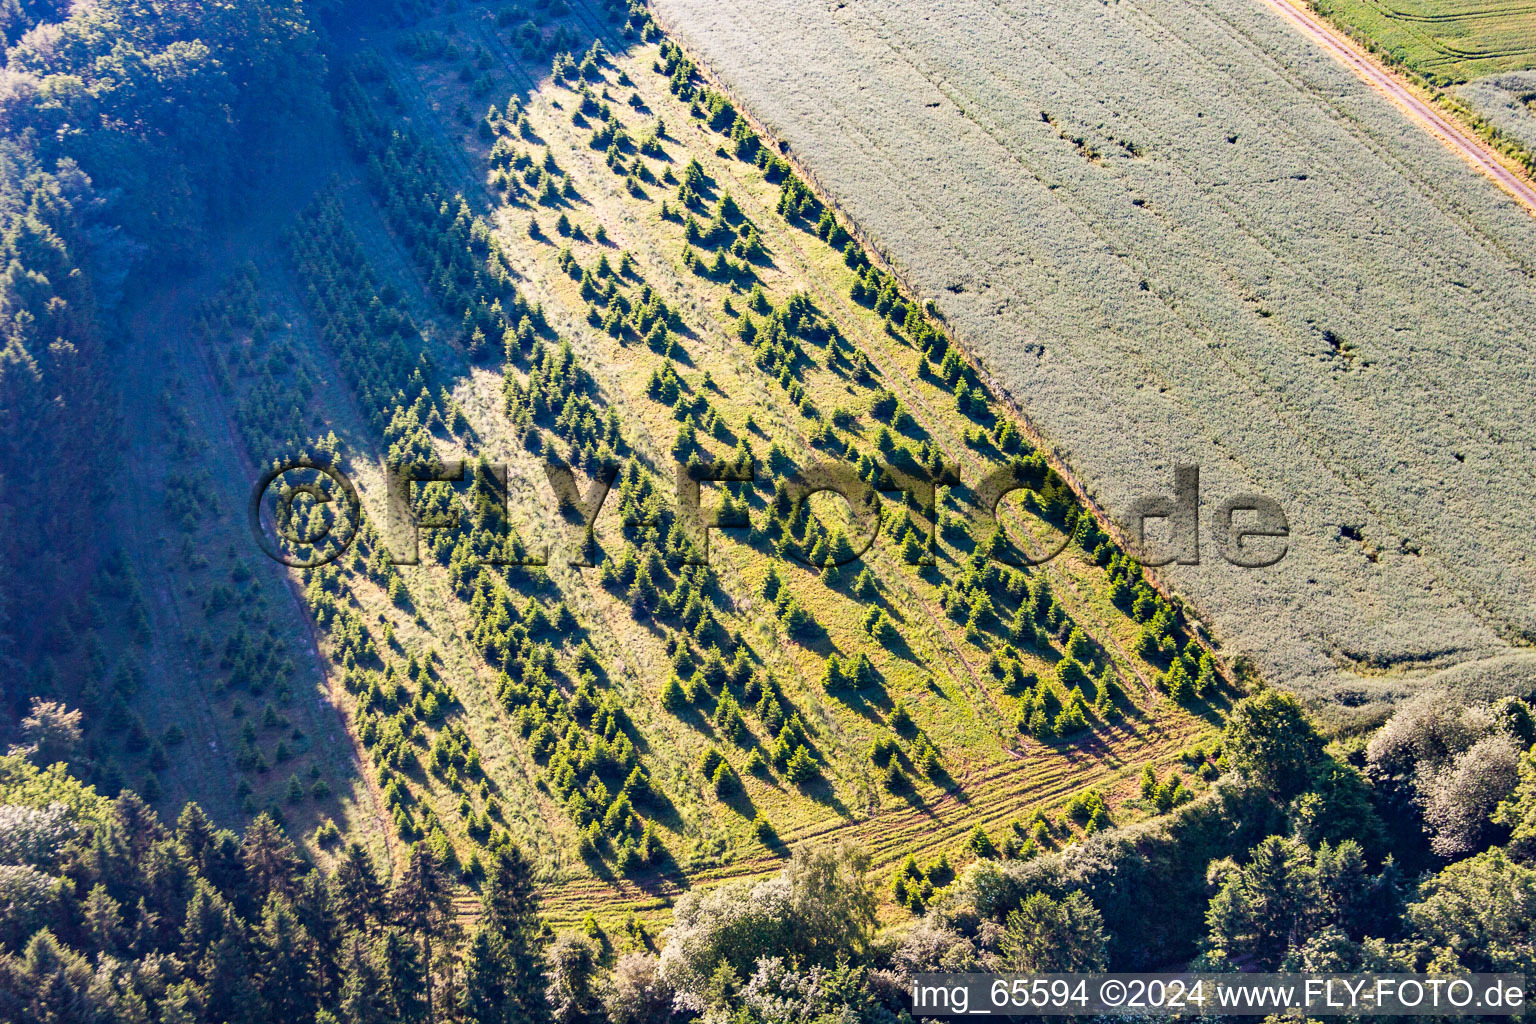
point(128, 130)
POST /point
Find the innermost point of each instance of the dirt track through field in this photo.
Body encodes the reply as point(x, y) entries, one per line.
point(1466, 145)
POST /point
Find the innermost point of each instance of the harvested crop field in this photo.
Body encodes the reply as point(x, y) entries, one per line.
point(1178, 233)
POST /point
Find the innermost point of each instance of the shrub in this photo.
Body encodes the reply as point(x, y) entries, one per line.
point(821, 904)
point(1089, 810)
point(327, 835)
point(981, 844)
point(1270, 742)
point(802, 767)
point(1046, 935)
point(725, 780)
point(673, 697)
point(1459, 800)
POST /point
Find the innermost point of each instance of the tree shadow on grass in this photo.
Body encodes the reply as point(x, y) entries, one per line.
point(940, 777)
point(630, 731)
point(908, 793)
point(694, 715)
point(896, 645)
point(774, 845)
point(739, 800)
point(1088, 746)
point(597, 865)
point(725, 435)
point(659, 879)
point(856, 701)
point(660, 808)
point(679, 354)
point(821, 791)
point(1213, 708)
point(813, 636)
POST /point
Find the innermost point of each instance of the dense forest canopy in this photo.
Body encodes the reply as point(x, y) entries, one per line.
point(160, 103)
point(17, 17)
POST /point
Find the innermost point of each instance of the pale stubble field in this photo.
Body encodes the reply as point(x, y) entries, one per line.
point(1177, 232)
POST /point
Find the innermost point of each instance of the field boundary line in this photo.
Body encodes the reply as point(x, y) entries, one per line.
point(877, 256)
point(1385, 81)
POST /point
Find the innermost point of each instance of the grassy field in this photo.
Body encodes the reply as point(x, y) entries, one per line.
point(462, 705)
point(1181, 233)
point(1448, 40)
